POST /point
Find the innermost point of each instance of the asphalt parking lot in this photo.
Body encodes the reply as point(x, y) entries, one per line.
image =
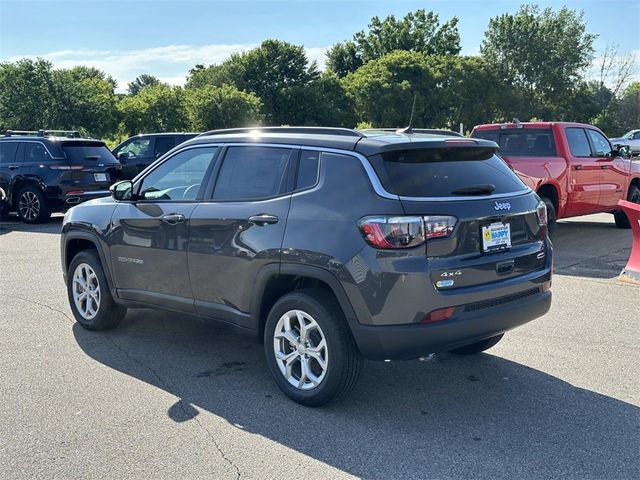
point(166, 396)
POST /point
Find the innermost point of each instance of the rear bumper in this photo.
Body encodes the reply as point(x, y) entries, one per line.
point(404, 342)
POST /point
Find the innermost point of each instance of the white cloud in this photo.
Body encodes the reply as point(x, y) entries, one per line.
point(170, 63)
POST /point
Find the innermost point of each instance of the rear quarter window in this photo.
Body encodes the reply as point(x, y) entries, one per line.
point(438, 172)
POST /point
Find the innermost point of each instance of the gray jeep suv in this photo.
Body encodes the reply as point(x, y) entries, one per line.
point(328, 244)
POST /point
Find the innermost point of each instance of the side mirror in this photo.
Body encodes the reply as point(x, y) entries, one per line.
point(622, 151)
point(122, 191)
point(123, 156)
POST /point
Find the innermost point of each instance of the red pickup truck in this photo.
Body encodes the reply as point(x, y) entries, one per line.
point(572, 166)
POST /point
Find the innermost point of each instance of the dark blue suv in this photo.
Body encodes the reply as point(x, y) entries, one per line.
point(48, 171)
point(327, 244)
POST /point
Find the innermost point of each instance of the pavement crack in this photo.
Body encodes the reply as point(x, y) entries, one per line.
point(184, 411)
point(43, 305)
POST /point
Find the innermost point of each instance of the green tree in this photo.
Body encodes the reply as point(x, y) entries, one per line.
point(213, 107)
point(158, 108)
point(26, 95)
point(418, 31)
point(542, 54)
point(141, 82)
point(84, 99)
point(270, 71)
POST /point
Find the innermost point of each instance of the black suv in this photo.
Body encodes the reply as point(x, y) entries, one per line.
point(137, 153)
point(329, 244)
point(50, 170)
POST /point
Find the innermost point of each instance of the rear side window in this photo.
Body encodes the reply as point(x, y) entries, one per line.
point(163, 145)
point(35, 152)
point(522, 142)
point(85, 152)
point(578, 142)
point(8, 152)
point(308, 169)
point(250, 173)
point(438, 172)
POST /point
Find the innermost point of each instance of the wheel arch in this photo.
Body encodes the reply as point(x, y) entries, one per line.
point(551, 192)
point(18, 184)
point(76, 242)
point(274, 281)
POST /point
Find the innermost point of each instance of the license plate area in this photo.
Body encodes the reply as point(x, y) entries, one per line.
point(100, 177)
point(496, 237)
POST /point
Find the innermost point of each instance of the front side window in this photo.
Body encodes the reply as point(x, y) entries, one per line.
point(636, 136)
point(578, 142)
point(35, 152)
point(180, 177)
point(140, 147)
point(600, 143)
point(250, 173)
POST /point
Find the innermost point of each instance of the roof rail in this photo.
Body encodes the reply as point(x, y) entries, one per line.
point(65, 133)
point(9, 133)
point(433, 131)
point(347, 132)
point(43, 133)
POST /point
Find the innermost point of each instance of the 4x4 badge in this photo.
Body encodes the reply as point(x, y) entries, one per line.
point(502, 206)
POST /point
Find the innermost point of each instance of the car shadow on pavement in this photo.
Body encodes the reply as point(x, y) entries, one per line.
point(590, 248)
point(472, 417)
point(13, 224)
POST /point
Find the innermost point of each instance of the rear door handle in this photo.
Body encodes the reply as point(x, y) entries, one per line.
point(173, 218)
point(14, 167)
point(263, 219)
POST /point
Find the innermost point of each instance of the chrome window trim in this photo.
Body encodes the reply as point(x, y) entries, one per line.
point(371, 173)
point(35, 141)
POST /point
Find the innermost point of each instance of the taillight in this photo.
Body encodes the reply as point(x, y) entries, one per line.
point(404, 231)
point(541, 212)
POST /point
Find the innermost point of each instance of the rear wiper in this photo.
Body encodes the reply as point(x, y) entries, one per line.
point(475, 190)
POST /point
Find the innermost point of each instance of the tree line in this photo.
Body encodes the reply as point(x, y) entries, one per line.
point(531, 65)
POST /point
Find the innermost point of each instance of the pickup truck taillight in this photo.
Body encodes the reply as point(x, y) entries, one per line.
point(392, 232)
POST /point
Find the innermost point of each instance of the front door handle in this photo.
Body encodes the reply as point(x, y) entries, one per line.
point(578, 167)
point(604, 167)
point(14, 167)
point(263, 219)
point(173, 218)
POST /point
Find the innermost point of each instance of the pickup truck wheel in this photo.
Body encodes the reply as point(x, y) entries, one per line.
point(32, 205)
point(309, 348)
point(89, 295)
point(621, 218)
point(478, 347)
point(551, 216)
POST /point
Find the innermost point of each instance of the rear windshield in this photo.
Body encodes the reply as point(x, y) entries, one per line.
point(444, 172)
point(82, 152)
point(521, 142)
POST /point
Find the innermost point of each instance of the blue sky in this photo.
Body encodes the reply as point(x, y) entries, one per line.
point(166, 38)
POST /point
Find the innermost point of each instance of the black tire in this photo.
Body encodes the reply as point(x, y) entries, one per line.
point(31, 205)
point(478, 347)
point(109, 314)
point(551, 215)
point(620, 217)
point(343, 359)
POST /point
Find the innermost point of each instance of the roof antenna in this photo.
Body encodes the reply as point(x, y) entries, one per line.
point(408, 130)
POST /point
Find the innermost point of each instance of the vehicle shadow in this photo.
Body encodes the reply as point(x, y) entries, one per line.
point(12, 223)
point(472, 417)
point(590, 248)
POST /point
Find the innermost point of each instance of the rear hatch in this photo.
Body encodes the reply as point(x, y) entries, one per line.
point(496, 234)
point(94, 167)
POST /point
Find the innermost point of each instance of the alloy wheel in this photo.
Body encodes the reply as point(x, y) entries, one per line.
point(29, 205)
point(86, 291)
point(300, 349)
